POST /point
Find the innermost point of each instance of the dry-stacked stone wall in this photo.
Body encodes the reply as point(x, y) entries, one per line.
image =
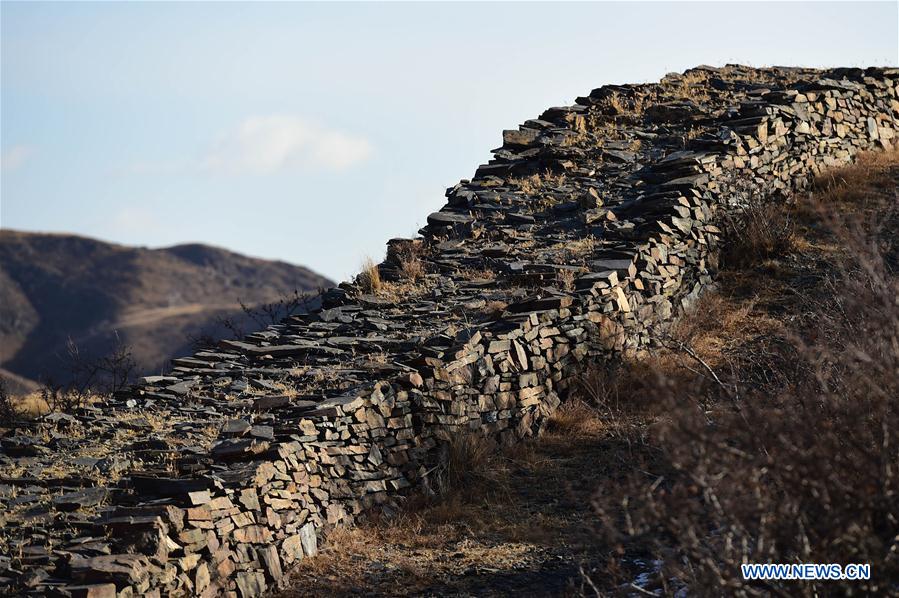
point(592, 227)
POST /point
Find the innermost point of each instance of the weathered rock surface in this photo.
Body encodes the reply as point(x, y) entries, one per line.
point(593, 226)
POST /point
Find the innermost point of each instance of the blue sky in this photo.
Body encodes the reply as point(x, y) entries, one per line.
point(313, 133)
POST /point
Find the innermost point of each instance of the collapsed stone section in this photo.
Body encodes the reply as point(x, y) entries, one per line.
point(592, 228)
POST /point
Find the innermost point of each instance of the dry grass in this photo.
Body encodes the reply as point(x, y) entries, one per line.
point(471, 464)
point(760, 231)
point(719, 322)
point(580, 136)
point(853, 184)
point(412, 268)
point(622, 105)
point(576, 249)
point(577, 122)
point(412, 284)
point(407, 255)
point(284, 386)
point(528, 185)
point(693, 85)
point(575, 418)
point(508, 513)
point(579, 125)
point(35, 404)
point(369, 279)
point(773, 412)
point(31, 405)
point(551, 179)
point(565, 278)
point(495, 308)
point(403, 557)
point(479, 274)
point(14, 407)
point(536, 183)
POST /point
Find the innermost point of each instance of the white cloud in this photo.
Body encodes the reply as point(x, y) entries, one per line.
point(15, 157)
point(134, 220)
point(268, 144)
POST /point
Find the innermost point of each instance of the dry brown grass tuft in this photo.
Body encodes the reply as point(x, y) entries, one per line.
point(31, 405)
point(474, 274)
point(853, 184)
point(412, 268)
point(579, 136)
point(407, 255)
point(369, 279)
point(575, 418)
point(565, 278)
point(536, 183)
point(528, 185)
point(719, 321)
point(691, 86)
point(622, 105)
point(760, 231)
point(413, 281)
point(576, 249)
point(551, 179)
point(495, 308)
point(470, 463)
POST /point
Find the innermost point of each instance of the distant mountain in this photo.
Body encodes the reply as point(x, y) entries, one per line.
point(54, 287)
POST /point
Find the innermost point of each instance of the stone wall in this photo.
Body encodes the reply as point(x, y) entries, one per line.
point(591, 229)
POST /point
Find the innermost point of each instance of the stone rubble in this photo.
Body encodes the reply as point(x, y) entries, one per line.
point(591, 229)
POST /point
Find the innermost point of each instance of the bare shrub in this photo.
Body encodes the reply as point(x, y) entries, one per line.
point(258, 316)
point(8, 410)
point(286, 305)
point(800, 469)
point(470, 462)
point(760, 231)
point(615, 392)
point(806, 476)
point(90, 376)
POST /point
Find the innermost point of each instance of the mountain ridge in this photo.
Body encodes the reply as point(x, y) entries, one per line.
point(56, 286)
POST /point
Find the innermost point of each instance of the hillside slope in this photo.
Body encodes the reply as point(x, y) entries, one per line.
point(54, 287)
point(802, 287)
